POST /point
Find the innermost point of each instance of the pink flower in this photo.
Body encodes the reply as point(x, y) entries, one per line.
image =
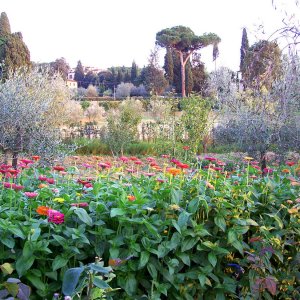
point(81, 204)
point(42, 178)
point(149, 174)
point(26, 161)
point(124, 159)
point(210, 158)
point(50, 180)
point(17, 187)
point(31, 194)
point(8, 185)
point(268, 170)
point(86, 165)
point(55, 216)
point(88, 185)
point(104, 165)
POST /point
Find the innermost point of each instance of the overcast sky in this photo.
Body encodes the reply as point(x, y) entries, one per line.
point(115, 32)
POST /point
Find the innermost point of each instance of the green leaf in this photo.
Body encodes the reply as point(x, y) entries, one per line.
point(183, 219)
point(220, 296)
point(6, 268)
point(212, 258)
point(271, 285)
point(188, 243)
point(176, 196)
point(101, 284)
point(52, 275)
point(36, 281)
point(70, 280)
point(23, 264)
point(193, 206)
point(16, 231)
point(83, 216)
point(237, 245)
point(151, 228)
point(152, 270)
point(177, 227)
point(59, 262)
point(36, 234)
point(231, 236)
point(62, 241)
point(98, 268)
point(9, 242)
point(202, 279)
point(185, 258)
point(130, 284)
point(117, 212)
point(220, 222)
point(144, 258)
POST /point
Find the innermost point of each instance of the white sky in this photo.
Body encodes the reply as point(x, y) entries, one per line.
point(115, 32)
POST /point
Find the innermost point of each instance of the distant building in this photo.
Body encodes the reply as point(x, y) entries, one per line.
point(72, 84)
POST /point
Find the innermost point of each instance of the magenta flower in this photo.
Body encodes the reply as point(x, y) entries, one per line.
point(31, 194)
point(55, 216)
point(81, 204)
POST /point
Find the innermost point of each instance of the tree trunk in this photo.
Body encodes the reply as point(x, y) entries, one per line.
point(263, 161)
point(182, 64)
point(15, 160)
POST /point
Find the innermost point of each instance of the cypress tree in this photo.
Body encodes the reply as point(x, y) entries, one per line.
point(4, 25)
point(244, 49)
point(133, 72)
point(169, 66)
point(79, 74)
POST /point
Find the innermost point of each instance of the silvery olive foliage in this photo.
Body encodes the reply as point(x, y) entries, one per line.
point(32, 109)
point(260, 120)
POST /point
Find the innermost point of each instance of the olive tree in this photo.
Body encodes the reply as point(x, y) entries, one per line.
point(32, 108)
point(263, 119)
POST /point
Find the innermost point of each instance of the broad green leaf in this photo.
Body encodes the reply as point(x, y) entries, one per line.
point(9, 242)
point(220, 296)
point(36, 281)
point(23, 264)
point(212, 258)
point(17, 231)
point(37, 232)
point(100, 283)
point(193, 206)
point(202, 279)
point(185, 258)
point(231, 236)
point(220, 222)
point(176, 196)
point(152, 270)
point(98, 268)
point(177, 227)
point(52, 275)
point(130, 284)
point(70, 280)
point(117, 212)
point(188, 243)
point(59, 262)
point(83, 216)
point(183, 219)
point(144, 258)
point(62, 241)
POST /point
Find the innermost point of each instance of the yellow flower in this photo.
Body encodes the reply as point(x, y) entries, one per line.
point(59, 200)
point(78, 194)
point(293, 210)
point(248, 158)
point(174, 207)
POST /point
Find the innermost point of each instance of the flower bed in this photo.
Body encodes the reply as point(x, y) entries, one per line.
point(167, 229)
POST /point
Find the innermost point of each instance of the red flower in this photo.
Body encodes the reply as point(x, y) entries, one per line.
point(35, 157)
point(58, 168)
point(18, 187)
point(8, 185)
point(26, 161)
point(50, 180)
point(42, 178)
point(210, 158)
point(290, 163)
point(124, 159)
point(186, 148)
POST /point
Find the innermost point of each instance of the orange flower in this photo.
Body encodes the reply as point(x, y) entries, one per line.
point(285, 171)
point(43, 185)
point(43, 210)
point(36, 157)
point(209, 185)
point(173, 171)
point(293, 210)
point(130, 197)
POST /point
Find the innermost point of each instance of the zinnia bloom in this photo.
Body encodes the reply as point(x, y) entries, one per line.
point(43, 210)
point(59, 200)
point(58, 168)
point(81, 204)
point(55, 216)
point(36, 157)
point(186, 148)
point(131, 197)
point(173, 171)
point(31, 194)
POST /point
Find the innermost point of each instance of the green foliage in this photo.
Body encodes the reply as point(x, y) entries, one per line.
point(244, 49)
point(207, 233)
point(79, 74)
point(85, 104)
point(122, 125)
